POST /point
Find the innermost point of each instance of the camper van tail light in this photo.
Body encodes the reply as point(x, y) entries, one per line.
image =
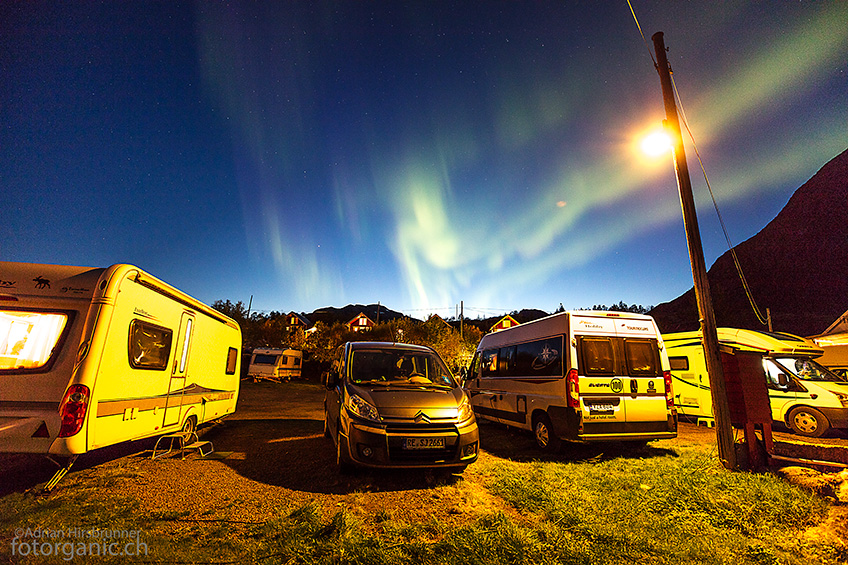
point(669, 394)
point(72, 410)
point(573, 389)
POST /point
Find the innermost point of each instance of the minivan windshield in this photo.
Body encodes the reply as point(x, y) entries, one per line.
point(394, 367)
point(808, 370)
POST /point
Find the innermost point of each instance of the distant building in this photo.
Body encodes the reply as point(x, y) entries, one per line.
point(295, 321)
point(504, 323)
point(438, 320)
point(361, 323)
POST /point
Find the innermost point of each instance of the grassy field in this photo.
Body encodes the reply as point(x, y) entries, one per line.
point(677, 507)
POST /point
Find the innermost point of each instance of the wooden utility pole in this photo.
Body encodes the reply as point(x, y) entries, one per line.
point(721, 409)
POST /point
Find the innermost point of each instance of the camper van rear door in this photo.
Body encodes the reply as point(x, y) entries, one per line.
point(174, 401)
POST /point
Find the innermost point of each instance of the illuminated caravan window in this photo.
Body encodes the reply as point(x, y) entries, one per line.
point(28, 339)
point(150, 346)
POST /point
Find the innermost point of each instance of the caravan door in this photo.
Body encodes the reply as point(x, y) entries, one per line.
point(176, 389)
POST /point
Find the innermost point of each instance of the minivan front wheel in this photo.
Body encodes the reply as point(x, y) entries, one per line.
point(544, 434)
point(343, 457)
point(806, 421)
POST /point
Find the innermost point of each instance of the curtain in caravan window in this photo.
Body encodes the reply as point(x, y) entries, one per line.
point(28, 339)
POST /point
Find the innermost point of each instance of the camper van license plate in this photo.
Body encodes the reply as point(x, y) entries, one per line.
point(424, 443)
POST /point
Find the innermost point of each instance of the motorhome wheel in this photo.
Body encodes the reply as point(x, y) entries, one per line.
point(806, 421)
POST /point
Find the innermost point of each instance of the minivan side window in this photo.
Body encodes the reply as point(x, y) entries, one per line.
point(150, 345)
point(597, 356)
point(641, 357)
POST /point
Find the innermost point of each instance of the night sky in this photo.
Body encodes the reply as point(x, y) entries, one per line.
point(315, 154)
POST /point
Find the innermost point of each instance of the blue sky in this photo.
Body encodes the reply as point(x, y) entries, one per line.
point(417, 154)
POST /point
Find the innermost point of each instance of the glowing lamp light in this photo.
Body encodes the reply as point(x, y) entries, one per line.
point(656, 143)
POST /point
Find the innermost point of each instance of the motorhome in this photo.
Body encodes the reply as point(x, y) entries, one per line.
point(580, 375)
point(91, 357)
point(275, 364)
point(803, 394)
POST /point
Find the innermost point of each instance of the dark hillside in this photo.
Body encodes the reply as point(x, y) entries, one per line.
point(797, 265)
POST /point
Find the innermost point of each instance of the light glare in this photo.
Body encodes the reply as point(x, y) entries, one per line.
point(656, 144)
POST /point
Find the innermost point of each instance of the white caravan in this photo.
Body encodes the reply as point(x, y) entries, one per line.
point(91, 357)
point(580, 375)
point(275, 364)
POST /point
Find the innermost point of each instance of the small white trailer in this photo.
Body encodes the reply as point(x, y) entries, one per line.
point(91, 357)
point(275, 364)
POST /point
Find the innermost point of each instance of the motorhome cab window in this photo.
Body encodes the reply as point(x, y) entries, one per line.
point(28, 339)
point(807, 369)
point(150, 346)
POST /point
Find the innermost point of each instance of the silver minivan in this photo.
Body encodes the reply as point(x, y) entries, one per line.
point(395, 405)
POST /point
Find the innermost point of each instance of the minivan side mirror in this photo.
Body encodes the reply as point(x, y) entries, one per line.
point(782, 380)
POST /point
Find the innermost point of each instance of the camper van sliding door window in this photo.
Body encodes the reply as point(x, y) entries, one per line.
point(540, 358)
point(489, 363)
point(28, 339)
point(150, 345)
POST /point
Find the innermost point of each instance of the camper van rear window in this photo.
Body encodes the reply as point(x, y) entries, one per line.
point(28, 339)
point(597, 356)
point(641, 357)
point(150, 346)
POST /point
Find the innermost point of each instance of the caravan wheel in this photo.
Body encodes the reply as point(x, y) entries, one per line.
point(190, 425)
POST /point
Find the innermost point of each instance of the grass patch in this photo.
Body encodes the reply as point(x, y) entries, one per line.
point(666, 509)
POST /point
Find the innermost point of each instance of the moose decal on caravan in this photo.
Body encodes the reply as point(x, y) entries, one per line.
point(93, 357)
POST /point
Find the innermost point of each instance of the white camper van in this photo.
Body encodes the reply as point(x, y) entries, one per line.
point(275, 364)
point(803, 395)
point(90, 357)
point(580, 375)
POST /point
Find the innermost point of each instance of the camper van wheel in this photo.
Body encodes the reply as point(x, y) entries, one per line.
point(806, 421)
point(543, 431)
point(190, 425)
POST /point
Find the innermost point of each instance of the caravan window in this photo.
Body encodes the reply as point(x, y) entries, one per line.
point(264, 359)
point(679, 363)
point(150, 345)
point(29, 339)
point(541, 358)
point(232, 358)
point(641, 357)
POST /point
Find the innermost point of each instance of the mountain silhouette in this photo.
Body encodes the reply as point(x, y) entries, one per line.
point(796, 266)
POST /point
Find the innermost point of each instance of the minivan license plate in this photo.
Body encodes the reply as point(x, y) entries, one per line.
point(424, 443)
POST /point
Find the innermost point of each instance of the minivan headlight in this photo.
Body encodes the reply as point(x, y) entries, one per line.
point(464, 411)
point(357, 405)
point(843, 398)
